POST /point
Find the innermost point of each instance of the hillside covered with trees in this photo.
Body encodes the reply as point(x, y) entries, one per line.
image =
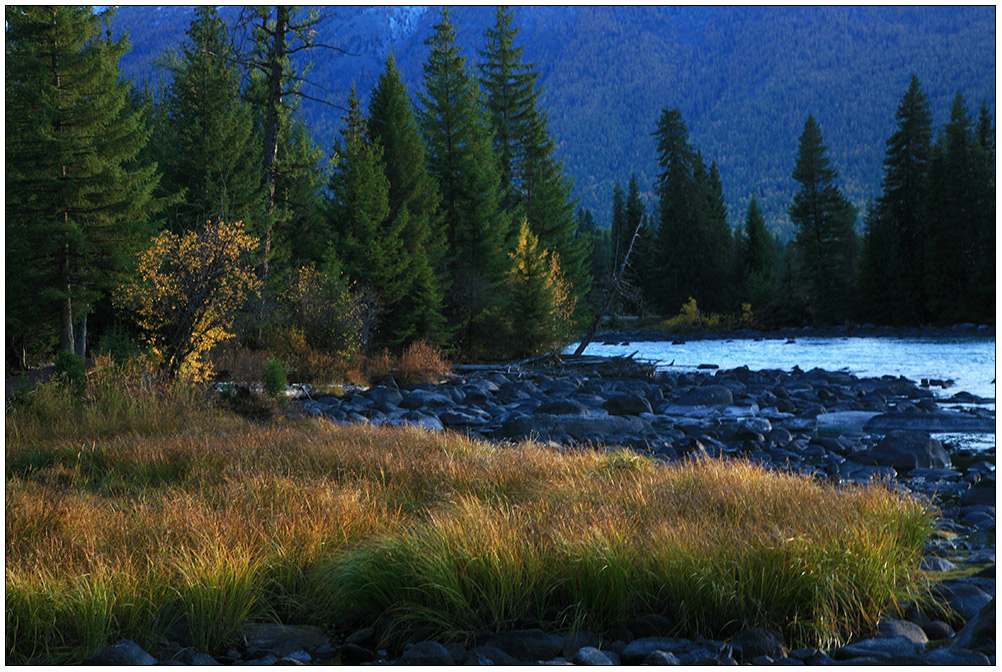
point(204, 212)
point(744, 78)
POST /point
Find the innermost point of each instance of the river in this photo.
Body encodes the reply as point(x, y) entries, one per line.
point(968, 362)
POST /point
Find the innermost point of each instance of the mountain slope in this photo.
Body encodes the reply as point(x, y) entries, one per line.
point(745, 79)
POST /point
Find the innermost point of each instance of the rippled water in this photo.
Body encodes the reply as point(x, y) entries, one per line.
point(969, 362)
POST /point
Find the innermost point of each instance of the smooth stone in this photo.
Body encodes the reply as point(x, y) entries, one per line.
point(879, 647)
point(841, 422)
point(627, 404)
point(707, 395)
point(636, 651)
point(963, 596)
point(562, 407)
point(578, 640)
point(756, 642)
point(425, 653)
point(979, 633)
point(661, 658)
point(932, 563)
point(122, 652)
point(938, 630)
point(489, 655)
point(906, 450)
point(589, 655)
point(892, 627)
point(528, 645)
point(954, 656)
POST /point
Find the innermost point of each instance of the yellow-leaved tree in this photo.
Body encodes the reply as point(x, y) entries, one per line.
point(187, 291)
point(539, 301)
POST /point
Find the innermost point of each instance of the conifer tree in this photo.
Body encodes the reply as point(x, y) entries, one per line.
point(960, 235)
point(205, 142)
point(77, 201)
point(458, 137)
point(825, 238)
point(757, 259)
point(532, 179)
point(366, 240)
point(413, 200)
point(892, 268)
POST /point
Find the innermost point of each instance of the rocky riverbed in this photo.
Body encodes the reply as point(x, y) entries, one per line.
point(831, 425)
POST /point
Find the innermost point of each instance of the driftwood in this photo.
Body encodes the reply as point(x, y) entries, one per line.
point(610, 292)
point(555, 364)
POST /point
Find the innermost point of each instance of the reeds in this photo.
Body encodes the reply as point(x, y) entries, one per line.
point(217, 520)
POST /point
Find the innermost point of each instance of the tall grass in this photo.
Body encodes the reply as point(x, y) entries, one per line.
point(214, 520)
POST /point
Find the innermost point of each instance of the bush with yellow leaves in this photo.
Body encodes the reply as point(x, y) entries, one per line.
point(187, 292)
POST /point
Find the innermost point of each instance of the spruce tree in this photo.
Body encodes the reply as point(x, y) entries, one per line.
point(533, 182)
point(413, 200)
point(367, 242)
point(205, 142)
point(960, 234)
point(77, 200)
point(892, 268)
point(757, 259)
point(825, 237)
point(458, 138)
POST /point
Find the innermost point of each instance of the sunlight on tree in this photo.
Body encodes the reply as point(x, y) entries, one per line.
point(188, 290)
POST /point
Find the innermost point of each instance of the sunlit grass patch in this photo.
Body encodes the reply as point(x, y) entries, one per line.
point(220, 522)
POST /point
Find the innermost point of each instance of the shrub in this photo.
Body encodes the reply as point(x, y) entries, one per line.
point(273, 377)
point(118, 344)
point(422, 363)
point(71, 370)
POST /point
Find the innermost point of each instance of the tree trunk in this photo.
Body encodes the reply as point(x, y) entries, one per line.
point(272, 125)
point(611, 291)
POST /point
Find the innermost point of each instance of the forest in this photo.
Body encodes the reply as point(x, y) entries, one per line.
point(200, 213)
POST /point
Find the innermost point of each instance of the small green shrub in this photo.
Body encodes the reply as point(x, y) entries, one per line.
point(118, 344)
point(273, 377)
point(71, 370)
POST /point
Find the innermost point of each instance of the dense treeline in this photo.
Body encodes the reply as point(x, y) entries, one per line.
point(927, 254)
point(440, 220)
point(744, 77)
point(440, 216)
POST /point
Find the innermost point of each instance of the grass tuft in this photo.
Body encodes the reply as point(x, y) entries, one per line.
point(219, 521)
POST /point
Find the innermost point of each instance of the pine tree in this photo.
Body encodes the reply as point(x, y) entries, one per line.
point(205, 142)
point(413, 198)
point(893, 270)
point(532, 179)
point(757, 259)
point(960, 234)
point(368, 243)
point(693, 236)
point(458, 137)
point(825, 238)
point(77, 201)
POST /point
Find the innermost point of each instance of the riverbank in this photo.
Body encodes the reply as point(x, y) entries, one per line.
point(286, 515)
point(966, 330)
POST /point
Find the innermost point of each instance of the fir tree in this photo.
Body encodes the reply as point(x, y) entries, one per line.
point(757, 259)
point(825, 237)
point(532, 179)
point(413, 200)
point(76, 199)
point(366, 240)
point(205, 142)
point(458, 137)
point(892, 268)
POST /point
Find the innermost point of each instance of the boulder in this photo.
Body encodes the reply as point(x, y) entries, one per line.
point(756, 642)
point(964, 596)
point(905, 450)
point(931, 563)
point(979, 633)
point(955, 657)
point(424, 399)
point(589, 655)
point(892, 627)
point(627, 404)
point(636, 652)
point(881, 648)
point(707, 395)
point(562, 407)
point(122, 652)
point(425, 653)
point(528, 645)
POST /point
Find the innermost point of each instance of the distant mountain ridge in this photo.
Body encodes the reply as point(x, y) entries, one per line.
point(745, 79)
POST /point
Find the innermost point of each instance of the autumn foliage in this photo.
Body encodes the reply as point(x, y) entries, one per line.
point(187, 291)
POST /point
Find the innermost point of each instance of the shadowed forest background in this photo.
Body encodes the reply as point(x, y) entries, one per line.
point(328, 184)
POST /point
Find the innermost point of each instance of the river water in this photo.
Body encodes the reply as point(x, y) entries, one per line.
point(968, 362)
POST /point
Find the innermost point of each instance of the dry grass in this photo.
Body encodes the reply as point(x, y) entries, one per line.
point(222, 520)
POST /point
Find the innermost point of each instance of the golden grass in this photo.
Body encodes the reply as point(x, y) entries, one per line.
point(225, 520)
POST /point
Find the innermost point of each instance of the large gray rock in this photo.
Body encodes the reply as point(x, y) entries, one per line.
point(756, 642)
point(122, 652)
point(425, 653)
point(941, 421)
point(562, 407)
point(528, 645)
point(965, 596)
point(589, 655)
point(707, 395)
point(955, 657)
point(636, 652)
point(284, 639)
point(425, 399)
point(881, 648)
point(979, 633)
point(892, 627)
point(905, 450)
point(627, 404)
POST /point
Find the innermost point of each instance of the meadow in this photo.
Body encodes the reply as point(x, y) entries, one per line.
point(132, 507)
